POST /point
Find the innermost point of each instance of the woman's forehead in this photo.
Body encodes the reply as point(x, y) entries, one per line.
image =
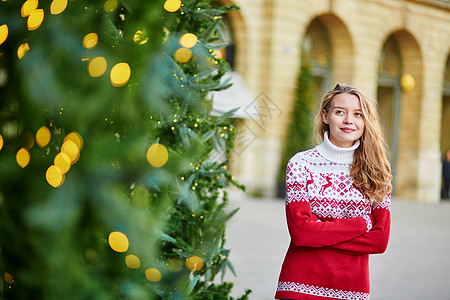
point(345, 100)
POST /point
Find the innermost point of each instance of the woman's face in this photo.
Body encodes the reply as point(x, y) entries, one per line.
point(345, 119)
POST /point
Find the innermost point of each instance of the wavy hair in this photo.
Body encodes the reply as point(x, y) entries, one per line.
point(370, 170)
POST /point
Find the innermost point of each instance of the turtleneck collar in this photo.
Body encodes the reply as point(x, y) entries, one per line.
point(334, 153)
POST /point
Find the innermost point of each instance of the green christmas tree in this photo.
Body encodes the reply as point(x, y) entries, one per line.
point(299, 131)
point(109, 185)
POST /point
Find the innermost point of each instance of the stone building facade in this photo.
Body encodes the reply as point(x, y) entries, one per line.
point(396, 51)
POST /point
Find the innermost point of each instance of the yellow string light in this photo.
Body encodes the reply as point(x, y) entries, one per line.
point(54, 176)
point(140, 38)
point(43, 136)
point(58, 6)
point(172, 5)
point(76, 138)
point(183, 55)
point(157, 155)
point(118, 241)
point(188, 40)
point(153, 274)
point(97, 66)
point(1, 142)
point(72, 150)
point(23, 157)
point(110, 5)
point(217, 54)
point(3, 33)
point(90, 40)
point(62, 161)
point(28, 7)
point(27, 140)
point(132, 261)
point(120, 74)
point(195, 263)
point(8, 278)
point(35, 19)
point(23, 49)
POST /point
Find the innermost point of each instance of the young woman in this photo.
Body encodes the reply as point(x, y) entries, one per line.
point(337, 202)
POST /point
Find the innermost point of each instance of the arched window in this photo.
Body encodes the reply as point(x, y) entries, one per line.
point(389, 94)
point(445, 123)
point(238, 95)
point(228, 53)
point(316, 50)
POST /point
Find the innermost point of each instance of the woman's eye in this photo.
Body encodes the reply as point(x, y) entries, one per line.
point(358, 114)
point(339, 112)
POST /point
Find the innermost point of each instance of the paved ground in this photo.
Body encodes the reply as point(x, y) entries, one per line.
point(415, 266)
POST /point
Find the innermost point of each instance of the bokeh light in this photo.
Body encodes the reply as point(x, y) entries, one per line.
point(97, 66)
point(62, 161)
point(28, 7)
point(140, 38)
point(132, 261)
point(110, 5)
point(35, 19)
point(58, 6)
point(1, 142)
point(194, 263)
point(54, 176)
point(43, 136)
point(118, 241)
point(90, 40)
point(3, 33)
point(174, 264)
point(183, 55)
point(120, 74)
point(23, 49)
point(27, 140)
point(407, 83)
point(23, 157)
point(140, 197)
point(157, 155)
point(71, 149)
point(172, 5)
point(188, 40)
point(8, 278)
point(76, 138)
point(217, 54)
point(153, 274)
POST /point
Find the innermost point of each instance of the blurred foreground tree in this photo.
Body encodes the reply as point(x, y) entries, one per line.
point(111, 186)
point(300, 128)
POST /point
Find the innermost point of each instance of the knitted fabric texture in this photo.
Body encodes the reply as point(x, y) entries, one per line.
point(333, 228)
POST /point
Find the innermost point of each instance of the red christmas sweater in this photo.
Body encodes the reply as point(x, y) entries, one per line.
point(333, 228)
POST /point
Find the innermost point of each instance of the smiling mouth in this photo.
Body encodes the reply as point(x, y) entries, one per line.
point(347, 130)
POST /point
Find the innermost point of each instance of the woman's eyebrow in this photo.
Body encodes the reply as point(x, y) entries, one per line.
point(345, 108)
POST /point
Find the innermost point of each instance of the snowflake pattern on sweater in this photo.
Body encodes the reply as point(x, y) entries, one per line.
point(333, 228)
point(322, 292)
point(330, 190)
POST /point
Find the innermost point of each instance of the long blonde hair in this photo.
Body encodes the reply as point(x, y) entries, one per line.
point(370, 170)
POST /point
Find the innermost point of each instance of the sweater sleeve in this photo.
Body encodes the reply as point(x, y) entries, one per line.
point(304, 227)
point(376, 240)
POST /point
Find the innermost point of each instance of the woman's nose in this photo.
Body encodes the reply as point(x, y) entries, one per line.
point(348, 119)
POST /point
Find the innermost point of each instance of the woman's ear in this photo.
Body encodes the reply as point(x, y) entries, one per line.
point(324, 116)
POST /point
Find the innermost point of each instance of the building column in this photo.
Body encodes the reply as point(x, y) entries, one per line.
point(429, 172)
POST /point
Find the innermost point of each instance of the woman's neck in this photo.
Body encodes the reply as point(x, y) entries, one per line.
point(336, 154)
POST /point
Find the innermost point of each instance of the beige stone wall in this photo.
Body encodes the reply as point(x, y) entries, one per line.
point(268, 35)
